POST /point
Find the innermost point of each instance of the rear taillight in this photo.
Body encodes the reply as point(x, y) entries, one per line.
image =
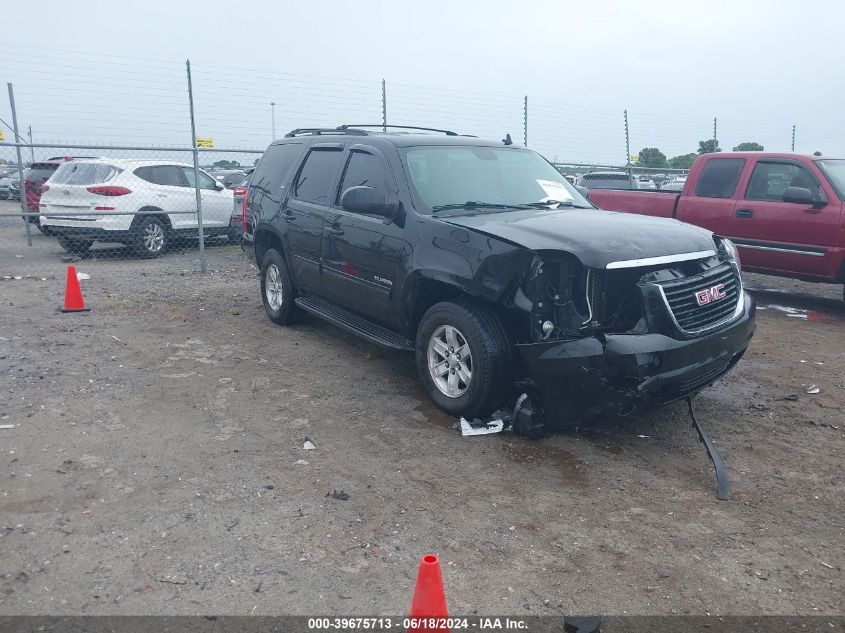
point(109, 190)
point(243, 208)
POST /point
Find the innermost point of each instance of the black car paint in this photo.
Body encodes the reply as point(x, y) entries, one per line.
point(391, 269)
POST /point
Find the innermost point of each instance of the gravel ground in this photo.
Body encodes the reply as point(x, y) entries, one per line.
point(156, 465)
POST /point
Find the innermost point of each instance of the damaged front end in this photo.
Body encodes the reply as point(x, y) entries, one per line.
point(616, 341)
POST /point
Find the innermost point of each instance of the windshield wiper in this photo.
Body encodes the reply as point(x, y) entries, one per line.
point(472, 204)
point(545, 204)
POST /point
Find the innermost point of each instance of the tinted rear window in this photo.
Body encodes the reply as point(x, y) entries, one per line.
point(84, 173)
point(719, 177)
point(316, 175)
point(167, 175)
point(275, 165)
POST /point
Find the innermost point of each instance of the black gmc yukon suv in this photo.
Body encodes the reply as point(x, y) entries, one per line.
point(483, 260)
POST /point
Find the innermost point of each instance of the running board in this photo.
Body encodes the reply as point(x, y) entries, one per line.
point(353, 323)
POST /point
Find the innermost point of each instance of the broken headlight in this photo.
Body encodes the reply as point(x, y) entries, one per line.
point(728, 251)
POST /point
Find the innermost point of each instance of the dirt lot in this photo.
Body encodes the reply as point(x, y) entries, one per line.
point(155, 466)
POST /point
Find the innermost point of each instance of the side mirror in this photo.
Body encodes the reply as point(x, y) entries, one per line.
point(363, 199)
point(799, 195)
point(218, 185)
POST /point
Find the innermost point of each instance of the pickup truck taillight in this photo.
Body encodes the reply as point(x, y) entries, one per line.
point(108, 190)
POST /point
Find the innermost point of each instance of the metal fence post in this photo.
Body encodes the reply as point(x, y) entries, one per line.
point(525, 121)
point(628, 148)
point(715, 137)
point(383, 105)
point(793, 137)
point(196, 168)
point(20, 164)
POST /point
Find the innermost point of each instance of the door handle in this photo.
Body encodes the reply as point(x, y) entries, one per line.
point(334, 230)
point(744, 213)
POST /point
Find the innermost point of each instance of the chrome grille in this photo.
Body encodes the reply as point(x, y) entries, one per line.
point(692, 318)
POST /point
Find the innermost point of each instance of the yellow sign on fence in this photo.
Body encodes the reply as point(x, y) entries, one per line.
point(205, 142)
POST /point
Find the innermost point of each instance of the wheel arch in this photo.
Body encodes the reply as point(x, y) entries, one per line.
point(156, 212)
point(265, 239)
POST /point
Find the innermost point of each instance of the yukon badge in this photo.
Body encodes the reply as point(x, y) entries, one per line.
point(709, 295)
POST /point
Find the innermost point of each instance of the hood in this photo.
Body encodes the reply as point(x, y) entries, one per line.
point(595, 237)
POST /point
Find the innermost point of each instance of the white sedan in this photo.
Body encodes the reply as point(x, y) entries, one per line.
point(144, 204)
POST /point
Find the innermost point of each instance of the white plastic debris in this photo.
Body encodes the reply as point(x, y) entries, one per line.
point(642, 437)
point(301, 462)
point(81, 276)
point(812, 389)
point(7, 426)
point(309, 445)
point(493, 426)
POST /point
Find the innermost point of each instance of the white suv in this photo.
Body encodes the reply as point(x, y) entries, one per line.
point(142, 203)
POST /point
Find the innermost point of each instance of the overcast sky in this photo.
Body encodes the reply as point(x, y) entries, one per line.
point(114, 72)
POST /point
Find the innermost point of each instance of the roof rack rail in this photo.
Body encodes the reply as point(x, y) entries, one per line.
point(318, 131)
point(400, 127)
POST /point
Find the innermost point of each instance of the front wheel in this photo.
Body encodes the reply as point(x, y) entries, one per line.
point(77, 247)
point(463, 358)
point(277, 289)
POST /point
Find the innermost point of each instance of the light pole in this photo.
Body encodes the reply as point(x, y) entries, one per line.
point(273, 118)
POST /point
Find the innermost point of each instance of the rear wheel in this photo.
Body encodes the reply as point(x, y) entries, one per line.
point(463, 358)
point(75, 246)
point(277, 290)
point(150, 237)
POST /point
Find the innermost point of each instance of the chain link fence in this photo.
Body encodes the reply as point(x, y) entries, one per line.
point(107, 147)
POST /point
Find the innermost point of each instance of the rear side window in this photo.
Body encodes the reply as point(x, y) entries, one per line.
point(274, 167)
point(364, 170)
point(719, 177)
point(315, 177)
point(167, 175)
point(84, 174)
point(770, 180)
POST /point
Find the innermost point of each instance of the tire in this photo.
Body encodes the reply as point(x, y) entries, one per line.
point(488, 365)
point(279, 300)
point(77, 247)
point(150, 237)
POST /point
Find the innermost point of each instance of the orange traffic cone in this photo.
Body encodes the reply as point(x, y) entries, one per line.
point(73, 293)
point(428, 606)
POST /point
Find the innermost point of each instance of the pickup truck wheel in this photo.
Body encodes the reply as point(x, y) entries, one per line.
point(277, 290)
point(463, 358)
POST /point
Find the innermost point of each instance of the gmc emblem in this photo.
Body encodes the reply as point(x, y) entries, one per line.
point(709, 295)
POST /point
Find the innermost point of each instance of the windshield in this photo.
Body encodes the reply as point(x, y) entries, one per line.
point(835, 172)
point(442, 176)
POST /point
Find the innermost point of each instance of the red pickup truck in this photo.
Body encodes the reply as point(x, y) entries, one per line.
point(785, 212)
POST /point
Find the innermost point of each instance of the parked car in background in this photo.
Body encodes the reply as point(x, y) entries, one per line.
point(674, 184)
point(784, 212)
point(609, 180)
point(10, 187)
point(238, 219)
point(141, 203)
point(645, 182)
point(481, 258)
point(233, 179)
point(38, 174)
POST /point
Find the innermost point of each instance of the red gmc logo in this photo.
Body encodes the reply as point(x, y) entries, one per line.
point(709, 295)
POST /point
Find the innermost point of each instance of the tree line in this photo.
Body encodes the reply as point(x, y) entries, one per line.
point(653, 157)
